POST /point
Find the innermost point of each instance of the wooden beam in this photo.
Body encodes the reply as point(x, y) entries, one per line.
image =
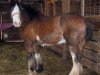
point(82, 7)
point(47, 8)
point(66, 6)
point(93, 56)
point(94, 18)
point(91, 65)
point(96, 35)
point(94, 46)
point(1, 31)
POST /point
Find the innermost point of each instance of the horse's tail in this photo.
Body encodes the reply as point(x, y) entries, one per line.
point(89, 29)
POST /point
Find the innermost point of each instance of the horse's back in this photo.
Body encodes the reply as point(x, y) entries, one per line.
point(72, 22)
point(67, 22)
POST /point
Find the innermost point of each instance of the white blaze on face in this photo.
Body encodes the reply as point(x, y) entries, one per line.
point(16, 16)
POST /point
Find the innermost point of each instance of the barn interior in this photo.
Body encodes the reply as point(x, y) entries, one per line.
point(13, 62)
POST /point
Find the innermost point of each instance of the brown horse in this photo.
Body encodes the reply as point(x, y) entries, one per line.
point(47, 31)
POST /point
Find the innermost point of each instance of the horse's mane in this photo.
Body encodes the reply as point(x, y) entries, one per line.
point(31, 12)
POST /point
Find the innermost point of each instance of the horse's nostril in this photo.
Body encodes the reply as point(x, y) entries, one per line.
point(39, 68)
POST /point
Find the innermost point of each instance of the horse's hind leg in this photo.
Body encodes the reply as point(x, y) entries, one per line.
point(76, 52)
point(77, 66)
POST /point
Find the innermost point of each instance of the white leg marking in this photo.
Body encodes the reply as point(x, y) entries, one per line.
point(37, 37)
point(29, 65)
point(62, 41)
point(77, 67)
point(31, 62)
point(38, 58)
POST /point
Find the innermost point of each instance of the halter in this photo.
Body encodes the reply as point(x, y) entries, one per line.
point(15, 14)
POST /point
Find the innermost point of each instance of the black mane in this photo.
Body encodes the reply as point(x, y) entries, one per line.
point(31, 12)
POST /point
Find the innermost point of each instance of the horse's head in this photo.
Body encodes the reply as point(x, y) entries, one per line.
point(22, 13)
point(16, 14)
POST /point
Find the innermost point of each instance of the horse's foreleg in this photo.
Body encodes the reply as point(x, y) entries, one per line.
point(77, 68)
point(39, 65)
point(31, 64)
point(30, 57)
point(34, 61)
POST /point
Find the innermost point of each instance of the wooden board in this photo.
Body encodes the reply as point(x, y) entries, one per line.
point(92, 65)
point(96, 35)
point(94, 46)
point(94, 18)
point(93, 56)
point(97, 25)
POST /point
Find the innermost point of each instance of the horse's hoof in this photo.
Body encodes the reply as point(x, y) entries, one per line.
point(39, 69)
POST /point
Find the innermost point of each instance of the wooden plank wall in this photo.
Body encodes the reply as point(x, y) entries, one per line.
point(57, 7)
point(92, 51)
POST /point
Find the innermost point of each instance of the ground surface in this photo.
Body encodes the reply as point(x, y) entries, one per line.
point(13, 61)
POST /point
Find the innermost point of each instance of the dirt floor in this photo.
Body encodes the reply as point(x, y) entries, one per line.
point(13, 61)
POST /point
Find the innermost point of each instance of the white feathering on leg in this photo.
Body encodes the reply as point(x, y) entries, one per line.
point(38, 58)
point(77, 67)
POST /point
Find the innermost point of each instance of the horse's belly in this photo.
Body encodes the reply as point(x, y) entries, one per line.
point(53, 38)
point(52, 41)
